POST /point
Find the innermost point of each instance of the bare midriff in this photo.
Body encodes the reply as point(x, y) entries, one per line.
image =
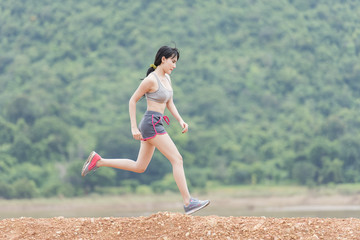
point(155, 106)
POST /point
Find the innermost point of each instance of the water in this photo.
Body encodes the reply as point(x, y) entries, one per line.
point(277, 212)
point(134, 206)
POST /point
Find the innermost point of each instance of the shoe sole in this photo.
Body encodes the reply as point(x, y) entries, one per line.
point(197, 209)
point(92, 154)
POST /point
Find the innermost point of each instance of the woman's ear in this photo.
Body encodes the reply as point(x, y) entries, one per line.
point(163, 59)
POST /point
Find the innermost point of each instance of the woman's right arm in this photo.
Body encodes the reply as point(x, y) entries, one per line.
point(144, 87)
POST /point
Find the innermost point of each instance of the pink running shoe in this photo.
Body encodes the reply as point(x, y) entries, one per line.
point(90, 164)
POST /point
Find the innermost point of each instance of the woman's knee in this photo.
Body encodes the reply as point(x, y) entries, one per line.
point(140, 169)
point(177, 160)
point(141, 165)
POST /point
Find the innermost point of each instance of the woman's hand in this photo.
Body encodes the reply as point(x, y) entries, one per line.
point(136, 133)
point(185, 126)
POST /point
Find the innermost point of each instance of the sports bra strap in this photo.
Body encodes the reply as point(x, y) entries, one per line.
point(167, 77)
point(158, 79)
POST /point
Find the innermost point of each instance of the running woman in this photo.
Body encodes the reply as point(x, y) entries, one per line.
point(158, 91)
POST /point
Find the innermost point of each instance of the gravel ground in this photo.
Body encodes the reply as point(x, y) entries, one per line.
point(166, 225)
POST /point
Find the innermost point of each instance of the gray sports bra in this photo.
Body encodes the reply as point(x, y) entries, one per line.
point(162, 95)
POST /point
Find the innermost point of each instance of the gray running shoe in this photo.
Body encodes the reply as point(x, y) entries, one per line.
point(90, 164)
point(195, 205)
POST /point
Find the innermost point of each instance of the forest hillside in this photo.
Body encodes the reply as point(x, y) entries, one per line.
point(270, 90)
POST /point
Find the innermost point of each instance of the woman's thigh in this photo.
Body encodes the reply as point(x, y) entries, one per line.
point(145, 154)
point(167, 147)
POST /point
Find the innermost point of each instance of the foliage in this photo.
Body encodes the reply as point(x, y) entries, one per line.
point(270, 91)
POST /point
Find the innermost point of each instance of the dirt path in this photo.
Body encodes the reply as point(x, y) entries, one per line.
point(165, 225)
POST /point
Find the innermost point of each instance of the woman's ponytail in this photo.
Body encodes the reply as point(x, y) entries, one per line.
point(151, 69)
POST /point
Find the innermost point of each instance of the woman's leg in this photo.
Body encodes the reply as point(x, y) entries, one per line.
point(145, 154)
point(167, 147)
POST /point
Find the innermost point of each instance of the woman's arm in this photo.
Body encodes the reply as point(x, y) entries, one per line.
point(143, 88)
point(173, 110)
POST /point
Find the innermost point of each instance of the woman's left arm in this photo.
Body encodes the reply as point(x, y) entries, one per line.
point(173, 110)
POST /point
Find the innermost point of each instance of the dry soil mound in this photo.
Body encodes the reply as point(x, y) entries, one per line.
point(178, 226)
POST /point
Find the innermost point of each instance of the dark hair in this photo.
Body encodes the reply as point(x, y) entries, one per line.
point(166, 52)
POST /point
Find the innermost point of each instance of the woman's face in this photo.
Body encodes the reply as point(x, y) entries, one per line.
point(169, 64)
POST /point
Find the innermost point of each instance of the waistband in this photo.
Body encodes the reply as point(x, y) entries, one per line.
point(153, 113)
